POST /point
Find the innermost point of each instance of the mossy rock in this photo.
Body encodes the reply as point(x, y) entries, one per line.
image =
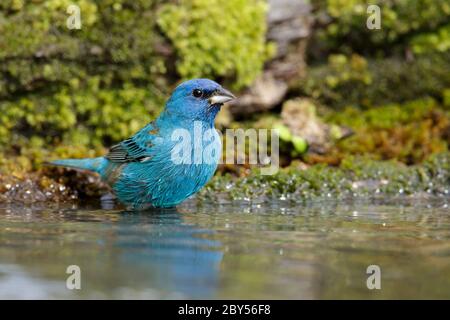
point(404, 24)
point(364, 83)
point(356, 178)
point(215, 38)
point(408, 132)
point(75, 91)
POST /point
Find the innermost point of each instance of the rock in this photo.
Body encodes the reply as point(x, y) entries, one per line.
point(290, 23)
point(289, 26)
point(300, 117)
point(265, 93)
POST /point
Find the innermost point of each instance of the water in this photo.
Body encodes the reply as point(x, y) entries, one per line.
point(276, 250)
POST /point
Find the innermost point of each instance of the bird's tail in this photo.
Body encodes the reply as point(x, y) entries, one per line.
point(91, 164)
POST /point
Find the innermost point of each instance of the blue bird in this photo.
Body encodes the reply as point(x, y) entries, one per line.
point(172, 157)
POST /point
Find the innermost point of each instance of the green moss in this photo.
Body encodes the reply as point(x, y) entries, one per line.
point(408, 132)
point(366, 83)
point(446, 98)
point(433, 41)
point(69, 93)
point(73, 118)
point(76, 90)
point(216, 38)
point(400, 22)
point(356, 177)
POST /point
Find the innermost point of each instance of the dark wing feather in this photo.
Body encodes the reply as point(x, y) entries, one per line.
point(127, 151)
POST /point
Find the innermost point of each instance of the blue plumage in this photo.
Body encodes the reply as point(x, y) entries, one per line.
point(172, 157)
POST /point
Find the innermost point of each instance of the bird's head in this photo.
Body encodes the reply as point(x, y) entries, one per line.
point(198, 99)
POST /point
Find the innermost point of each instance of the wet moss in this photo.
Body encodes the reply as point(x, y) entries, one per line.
point(354, 178)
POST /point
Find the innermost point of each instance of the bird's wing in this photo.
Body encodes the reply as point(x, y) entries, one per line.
point(134, 149)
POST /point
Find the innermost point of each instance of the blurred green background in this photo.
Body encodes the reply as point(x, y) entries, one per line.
point(313, 69)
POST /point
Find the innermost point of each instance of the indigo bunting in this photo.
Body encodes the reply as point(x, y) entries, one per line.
point(165, 162)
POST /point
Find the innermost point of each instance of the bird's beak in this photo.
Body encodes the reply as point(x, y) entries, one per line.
point(221, 96)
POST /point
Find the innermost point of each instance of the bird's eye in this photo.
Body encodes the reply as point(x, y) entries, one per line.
point(197, 93)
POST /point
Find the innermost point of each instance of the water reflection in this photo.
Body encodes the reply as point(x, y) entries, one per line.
point(275, 250)
point(152, 254)
point(169, 253)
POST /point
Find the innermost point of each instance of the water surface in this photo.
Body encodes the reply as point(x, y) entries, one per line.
point(277, 250)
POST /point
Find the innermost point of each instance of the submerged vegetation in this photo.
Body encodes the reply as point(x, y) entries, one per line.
point(380, 97)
